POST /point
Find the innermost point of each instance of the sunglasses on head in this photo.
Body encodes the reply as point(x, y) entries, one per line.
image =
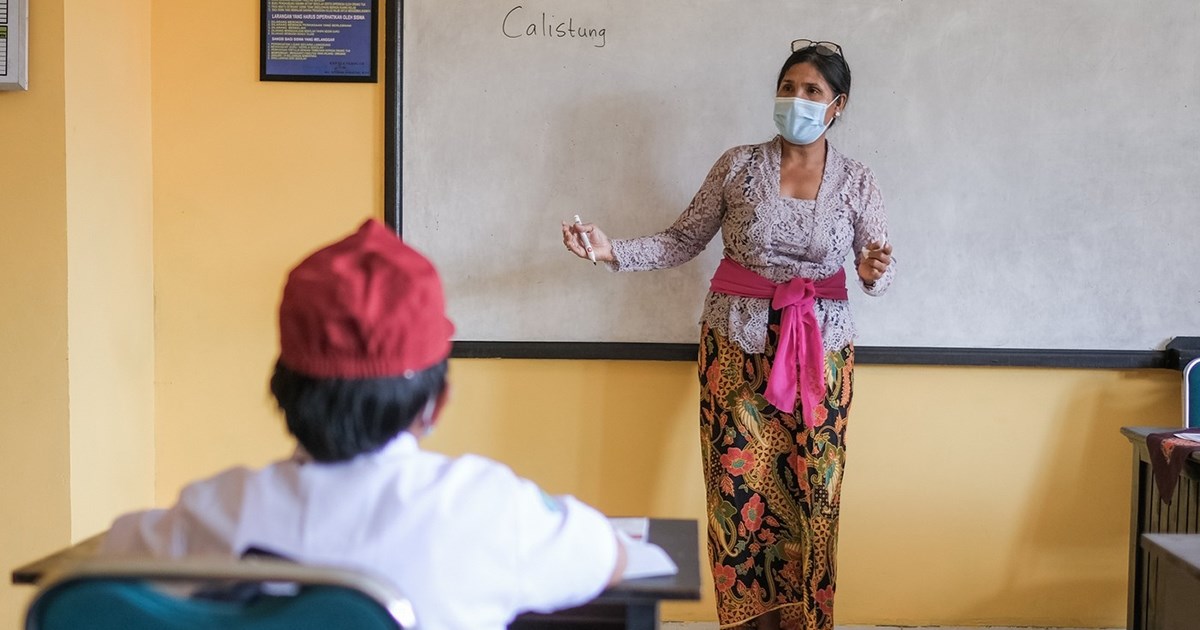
point(828, 49)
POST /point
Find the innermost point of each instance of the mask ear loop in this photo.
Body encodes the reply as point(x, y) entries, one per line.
point(427, 415)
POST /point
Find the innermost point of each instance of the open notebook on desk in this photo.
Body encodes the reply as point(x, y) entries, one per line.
point(645, 559)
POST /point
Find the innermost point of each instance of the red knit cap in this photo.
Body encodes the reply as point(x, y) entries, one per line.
point(367, 306)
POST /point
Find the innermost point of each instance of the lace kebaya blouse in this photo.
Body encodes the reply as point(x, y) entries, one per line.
point(778, 237)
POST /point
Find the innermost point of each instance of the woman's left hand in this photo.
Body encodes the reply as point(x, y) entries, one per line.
point(874, 261)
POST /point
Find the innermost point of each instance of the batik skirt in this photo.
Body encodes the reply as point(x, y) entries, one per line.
point(773, 486)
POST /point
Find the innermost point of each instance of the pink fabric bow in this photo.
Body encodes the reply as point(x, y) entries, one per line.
point(800, 357)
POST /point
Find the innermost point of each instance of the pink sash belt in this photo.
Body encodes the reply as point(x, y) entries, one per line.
point(800, 357)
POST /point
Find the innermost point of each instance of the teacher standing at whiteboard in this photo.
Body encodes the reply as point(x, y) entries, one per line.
point(776, 354)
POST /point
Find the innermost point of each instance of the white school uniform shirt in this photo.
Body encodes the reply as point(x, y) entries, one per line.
point(465, 539)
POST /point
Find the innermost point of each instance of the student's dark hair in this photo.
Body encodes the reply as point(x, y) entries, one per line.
point(833, 68)
point(338, 419)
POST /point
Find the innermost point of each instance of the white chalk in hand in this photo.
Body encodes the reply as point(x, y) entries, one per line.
point(587, 242)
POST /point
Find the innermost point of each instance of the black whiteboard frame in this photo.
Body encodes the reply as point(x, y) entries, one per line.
point(393, 179)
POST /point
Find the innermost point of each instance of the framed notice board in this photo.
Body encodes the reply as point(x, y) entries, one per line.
point(319, 40)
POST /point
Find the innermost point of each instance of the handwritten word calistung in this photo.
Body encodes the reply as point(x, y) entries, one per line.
point(517, 25)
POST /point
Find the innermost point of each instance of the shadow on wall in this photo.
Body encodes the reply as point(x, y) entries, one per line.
point(1077, 524)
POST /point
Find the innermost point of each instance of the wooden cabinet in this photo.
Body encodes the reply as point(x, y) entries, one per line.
point(1174, 602)
point(1149, 515)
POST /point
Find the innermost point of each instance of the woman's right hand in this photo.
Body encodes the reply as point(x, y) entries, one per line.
point(601, 246)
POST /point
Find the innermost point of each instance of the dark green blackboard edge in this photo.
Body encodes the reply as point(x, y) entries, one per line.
point(1171, 358)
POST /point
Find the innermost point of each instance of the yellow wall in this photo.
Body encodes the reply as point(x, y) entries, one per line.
point(973, 495)
point(34, 436)
point(986, 496)
point(109, 259)
point(77, 286)
point(248, 176)
point(993, 496)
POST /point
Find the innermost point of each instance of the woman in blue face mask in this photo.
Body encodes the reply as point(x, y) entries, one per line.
point(776, 344)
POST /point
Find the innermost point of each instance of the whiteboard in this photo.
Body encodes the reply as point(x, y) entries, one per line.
point(1040, 160)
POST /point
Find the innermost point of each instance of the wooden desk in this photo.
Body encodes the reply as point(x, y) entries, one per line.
point(33, 572)
point(631, 604)
point(1149, 515)
point(1175, 601)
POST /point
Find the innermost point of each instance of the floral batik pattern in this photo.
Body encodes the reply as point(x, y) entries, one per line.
point(773, 486)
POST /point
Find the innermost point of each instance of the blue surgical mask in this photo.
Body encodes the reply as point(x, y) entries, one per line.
point(800, 121)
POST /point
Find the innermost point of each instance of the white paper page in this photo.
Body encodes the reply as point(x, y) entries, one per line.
point(645, 559)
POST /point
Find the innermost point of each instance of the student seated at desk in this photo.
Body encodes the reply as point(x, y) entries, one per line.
point(361, 377)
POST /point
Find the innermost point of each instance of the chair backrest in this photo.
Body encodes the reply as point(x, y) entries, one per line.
point(1191, 394)
point(104, 594)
